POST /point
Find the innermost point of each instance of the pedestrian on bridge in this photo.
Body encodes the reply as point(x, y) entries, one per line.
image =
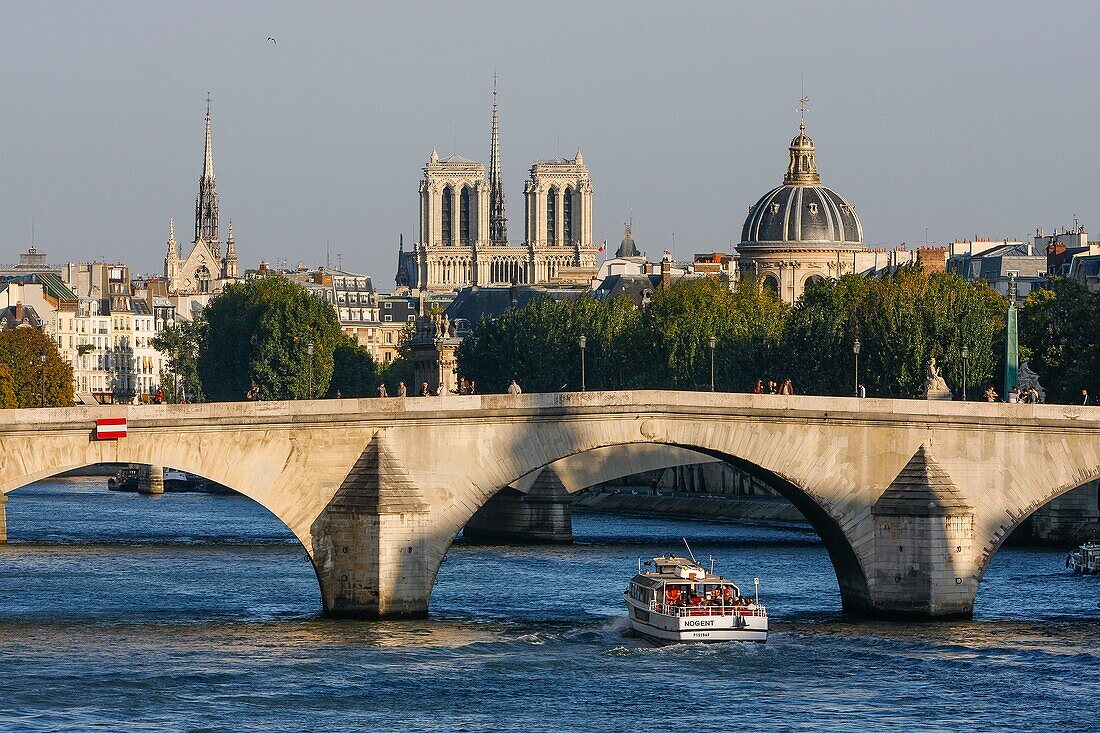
point(401, 389)
point(382, 390)
point(513, 388)
point(425, 390)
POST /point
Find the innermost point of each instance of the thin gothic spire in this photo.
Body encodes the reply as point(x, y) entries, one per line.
point(498, 221)
point(206, 205)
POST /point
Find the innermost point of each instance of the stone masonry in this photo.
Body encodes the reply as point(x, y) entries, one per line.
point(910, 497)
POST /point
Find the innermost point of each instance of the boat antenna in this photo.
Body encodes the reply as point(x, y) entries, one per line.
point(712, 564)
point(690, 553)
point(756, 582)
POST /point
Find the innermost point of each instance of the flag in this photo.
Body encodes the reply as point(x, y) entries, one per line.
point(110, 428)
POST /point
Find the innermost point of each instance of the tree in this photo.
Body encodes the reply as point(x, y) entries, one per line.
point(7, 388)
point(1060, 336)
point(34, 383)
point(538, 345)
point(258, 333)
point(401, 368)
point(901, 321)
point(676, 327)
point(180, 345)
point(353, 373)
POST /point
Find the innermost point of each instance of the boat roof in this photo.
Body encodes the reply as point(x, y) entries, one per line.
point(673, 569)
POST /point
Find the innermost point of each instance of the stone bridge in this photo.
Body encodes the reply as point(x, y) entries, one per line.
point(911, 498)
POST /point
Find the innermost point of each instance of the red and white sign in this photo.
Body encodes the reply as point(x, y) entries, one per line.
point(110, 428)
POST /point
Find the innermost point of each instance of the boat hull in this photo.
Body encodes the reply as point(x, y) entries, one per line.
point(697, 628)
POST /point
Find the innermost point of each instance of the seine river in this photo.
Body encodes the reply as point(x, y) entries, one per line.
point(201, 613)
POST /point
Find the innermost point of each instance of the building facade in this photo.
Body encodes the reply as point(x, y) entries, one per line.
point(463, 232)
point(205, 269)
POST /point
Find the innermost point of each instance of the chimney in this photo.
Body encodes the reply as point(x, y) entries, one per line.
point(666, 272)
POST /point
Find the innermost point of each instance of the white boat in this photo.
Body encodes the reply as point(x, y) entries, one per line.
point(675, 599)
point(1085, 559)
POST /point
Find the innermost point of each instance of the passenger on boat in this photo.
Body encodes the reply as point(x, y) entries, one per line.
point(727, 596)
point(672, 596)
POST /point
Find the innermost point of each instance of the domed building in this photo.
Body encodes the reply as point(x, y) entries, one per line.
point(801, 232)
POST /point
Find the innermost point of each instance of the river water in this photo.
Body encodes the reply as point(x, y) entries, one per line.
point(201, 613)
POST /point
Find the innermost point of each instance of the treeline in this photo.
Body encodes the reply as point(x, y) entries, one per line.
point(901, 321)
point(1060, 335)
point(268, 337)
point(32, 372)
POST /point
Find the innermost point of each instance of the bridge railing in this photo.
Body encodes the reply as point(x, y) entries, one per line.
point(755, 609)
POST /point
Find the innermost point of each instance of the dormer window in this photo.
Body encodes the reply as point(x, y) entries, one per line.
point(813, 209)
point(775, 208)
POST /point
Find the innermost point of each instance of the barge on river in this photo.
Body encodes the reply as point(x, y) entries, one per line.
point(1085, 559)
point(678, 600)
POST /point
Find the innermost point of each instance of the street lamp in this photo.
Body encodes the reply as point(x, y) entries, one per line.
point(855, 350)
point(713, 343)
point(966, 357)
point(309, 350)
point(42, 376)
point(582, 341)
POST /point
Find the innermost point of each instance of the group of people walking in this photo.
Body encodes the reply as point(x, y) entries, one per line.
point(773, 387)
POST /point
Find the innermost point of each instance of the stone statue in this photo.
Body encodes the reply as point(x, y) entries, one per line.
point(447, 325)
point(935, 388)
point(1026, 379)
point(438, 325)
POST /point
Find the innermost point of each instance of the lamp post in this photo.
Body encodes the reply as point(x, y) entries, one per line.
point(582, 341)
point(855, 351)
point(42, 376)
point(966, 357)
point(309, 350)
point(713, 343)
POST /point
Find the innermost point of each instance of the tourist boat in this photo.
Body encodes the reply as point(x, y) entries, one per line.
point(1085, 559)
point(174, 481)
point(676, 599)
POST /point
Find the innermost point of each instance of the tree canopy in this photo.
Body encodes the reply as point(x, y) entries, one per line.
point(901, 320)
point(27, 381)
point(180, 345)
point(1060, 337)
point(258, 333)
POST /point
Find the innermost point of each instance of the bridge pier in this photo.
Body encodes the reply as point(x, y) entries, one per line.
point(923, 537)
point(544, 515)
point(151, 480)
point(371, 544)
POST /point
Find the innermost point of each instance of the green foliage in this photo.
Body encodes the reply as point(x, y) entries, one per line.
point(675, 329)
point(31, 382)
point(1060, 328)
point(258, 333)
point(902, 321)
point(538, 345)
point(180, 345)
point(353, 373)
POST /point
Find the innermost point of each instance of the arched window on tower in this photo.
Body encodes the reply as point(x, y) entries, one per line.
point(770, 283)
point(466, 222)
point(448, 216)
point(567, 216)
point(551, 215)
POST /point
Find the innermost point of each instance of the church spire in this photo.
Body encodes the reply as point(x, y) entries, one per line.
point(498, 222)
point(206, 205)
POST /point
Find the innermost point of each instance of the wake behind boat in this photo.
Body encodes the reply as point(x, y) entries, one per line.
point(678, 600)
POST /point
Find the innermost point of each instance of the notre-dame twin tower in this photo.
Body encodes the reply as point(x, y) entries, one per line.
point(464, 230)
point(204, 270)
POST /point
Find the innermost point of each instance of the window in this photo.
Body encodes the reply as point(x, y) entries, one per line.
point(387, 318)
point(447, 212)
point(389, 337)
point(551, 215)
point(389, 305)
point(466, 227)
point(567, 215)
point(770, 283)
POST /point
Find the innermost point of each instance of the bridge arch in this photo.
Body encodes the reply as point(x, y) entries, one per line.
point(244, 490)
point(851, 576)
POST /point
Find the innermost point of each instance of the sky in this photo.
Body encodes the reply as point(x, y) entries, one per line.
point(955, 119)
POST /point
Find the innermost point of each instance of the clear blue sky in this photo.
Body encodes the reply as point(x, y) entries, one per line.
point(965, 118)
